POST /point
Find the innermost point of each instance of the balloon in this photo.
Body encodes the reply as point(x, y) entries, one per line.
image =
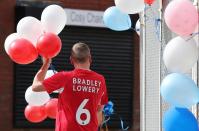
point(22, 51)
point(30, 28)
point(179, 119)
point(35, 114)
point(116, 20)
point(179, 90)
point(108, 109)
point(49, 45)
point(181, 17)
point(51, 108)
point(130, 6)
point(49, 74)
point(180, 55)
point(150, 2)
point(9, 40)
point(36, 98)
point(137, 27)
point(53, 19)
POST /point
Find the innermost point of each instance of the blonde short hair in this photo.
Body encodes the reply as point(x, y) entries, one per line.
point(80, 52)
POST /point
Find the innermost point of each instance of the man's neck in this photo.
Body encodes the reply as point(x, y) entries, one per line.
point(82, 66)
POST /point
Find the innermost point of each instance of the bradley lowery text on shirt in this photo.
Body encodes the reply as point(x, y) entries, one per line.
point(86, 85)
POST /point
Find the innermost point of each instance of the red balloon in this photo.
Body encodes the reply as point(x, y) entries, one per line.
point(150, 2)
point(51, 108)
point(49, 45)
point(35, 114)
point(22, 51)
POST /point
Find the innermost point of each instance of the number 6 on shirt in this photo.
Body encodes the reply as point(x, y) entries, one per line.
point(81, 111)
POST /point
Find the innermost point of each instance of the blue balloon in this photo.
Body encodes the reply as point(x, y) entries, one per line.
point(108, 109)
point(179, 119)
point(179, 90)
point(116, 20)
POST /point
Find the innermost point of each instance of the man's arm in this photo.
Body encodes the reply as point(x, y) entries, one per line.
point(37, 85)
point(104, 101)
point(100, 117)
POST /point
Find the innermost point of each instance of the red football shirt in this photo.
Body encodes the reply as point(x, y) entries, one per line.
point(84, 91)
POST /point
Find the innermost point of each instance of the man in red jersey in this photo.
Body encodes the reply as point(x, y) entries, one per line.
point(84, 92)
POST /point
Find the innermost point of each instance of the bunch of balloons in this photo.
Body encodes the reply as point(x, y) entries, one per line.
point(37, 37)
point(117, 17)
point(40, 105)
point(36, 114)
point(179, 56)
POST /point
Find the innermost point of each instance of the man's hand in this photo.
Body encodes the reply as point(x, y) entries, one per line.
point(100, 115)
point(46, 63)
point(39, 77)
point(100, 118)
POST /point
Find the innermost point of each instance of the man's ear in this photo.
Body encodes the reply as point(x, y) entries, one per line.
point(90, 59)
point(71, 60)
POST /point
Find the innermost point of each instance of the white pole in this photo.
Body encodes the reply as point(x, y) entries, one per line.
point(195, 72)
point(160, 62)
point(142, 73)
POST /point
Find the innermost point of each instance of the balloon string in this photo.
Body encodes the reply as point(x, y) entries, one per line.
point(105, 121)
point(157, 24)
point(146, 8)
point(52, 68)
point(192, 35)
point(157, 28)
point(157, 21)
point(121, 123)
point(108, 111)
point(146, 18)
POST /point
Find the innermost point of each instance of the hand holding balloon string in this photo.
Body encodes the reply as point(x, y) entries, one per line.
point(46, 62)
point(40, 76)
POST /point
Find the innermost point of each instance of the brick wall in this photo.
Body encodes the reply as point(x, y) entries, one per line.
point(7, 18)
point(6, 66)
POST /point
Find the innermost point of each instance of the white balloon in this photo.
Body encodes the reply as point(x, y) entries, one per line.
point(59, 90)
point(49, 74)
point(130, 6)
point(180, 54)
point(9, 40)
point(36, 98)
point(137, 27)
point(53, 19)
point(30, 28)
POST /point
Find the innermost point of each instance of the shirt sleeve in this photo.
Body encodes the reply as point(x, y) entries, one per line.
point(54, 82)
point(104, 99)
